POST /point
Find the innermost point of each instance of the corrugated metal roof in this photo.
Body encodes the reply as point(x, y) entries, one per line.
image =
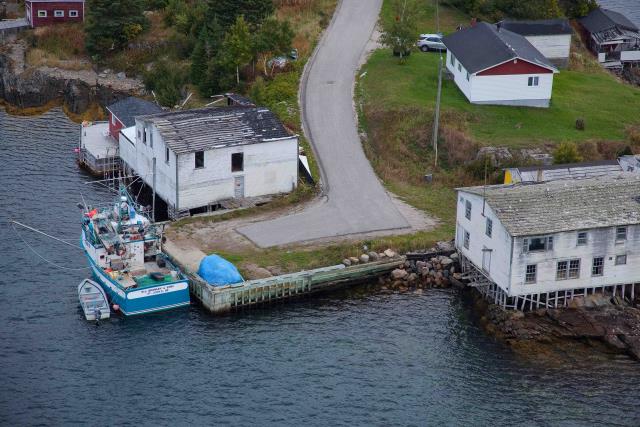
point(540, 27)
point(567, 205)
point(483, 46)
point(207, 128)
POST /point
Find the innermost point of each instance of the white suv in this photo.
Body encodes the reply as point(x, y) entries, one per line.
point(427, 42)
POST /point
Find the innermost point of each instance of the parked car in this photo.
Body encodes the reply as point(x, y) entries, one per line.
point(427, 42)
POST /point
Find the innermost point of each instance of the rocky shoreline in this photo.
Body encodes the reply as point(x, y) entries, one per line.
point(25, 87)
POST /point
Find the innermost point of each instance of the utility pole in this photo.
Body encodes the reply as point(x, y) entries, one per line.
point(436, 120)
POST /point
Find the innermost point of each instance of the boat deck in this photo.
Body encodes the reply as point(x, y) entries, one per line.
point(140, 279)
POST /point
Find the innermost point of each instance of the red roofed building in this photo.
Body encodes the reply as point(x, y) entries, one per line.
point(48, 12)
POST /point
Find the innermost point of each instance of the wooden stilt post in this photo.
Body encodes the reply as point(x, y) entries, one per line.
point(555, 303)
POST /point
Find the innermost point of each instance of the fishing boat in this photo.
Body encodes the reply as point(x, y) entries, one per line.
point(124, 250)
point(93, 300)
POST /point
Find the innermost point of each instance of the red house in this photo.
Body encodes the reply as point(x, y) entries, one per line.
point(47, 12)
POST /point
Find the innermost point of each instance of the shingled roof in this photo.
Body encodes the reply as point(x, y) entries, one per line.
point(566, 205)
point(208, 128)
point(539, 27)
point(604, 19)
point(483, 46)
point(127, 109)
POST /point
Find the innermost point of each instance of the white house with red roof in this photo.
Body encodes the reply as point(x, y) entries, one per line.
point(48, 12)
point(492, 65)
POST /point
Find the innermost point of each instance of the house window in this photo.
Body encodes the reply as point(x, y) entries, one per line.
point(597, 268)
point(144, 136)
point(453, 60)
point(530, 273)
point(621, 259)
point(166, 155)
point(582, 238)
point(568, 269)
point(489, 227)
point(199, 155)
point(621, 234)
point(534, 244)
point(574, 269)
point(533, 81)
point(467, 76)
point(58, 13)
point(73, 14)
point(467, 210)
point(467, 238)
point(237, 162)
point(150, 139)
point(459, 66)
point(42, 14)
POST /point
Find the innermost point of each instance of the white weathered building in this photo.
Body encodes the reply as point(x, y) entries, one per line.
point(552, 37)
point(196, 158)
point(496, 66)
point(531, 245)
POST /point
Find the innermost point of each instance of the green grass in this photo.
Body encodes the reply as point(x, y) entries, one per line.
point(449, 18)
point(606, 105)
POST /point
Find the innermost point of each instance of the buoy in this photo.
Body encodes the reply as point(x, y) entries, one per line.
point(116, 307)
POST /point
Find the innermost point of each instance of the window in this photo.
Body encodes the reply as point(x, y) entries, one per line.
point(42, 14)
point(530, 273)
point(166, 155)
point(574, 269)
point(467, 76)
point(568, 269)
point(489, 227)
point(533, 244)
point(58, 13)
point(199, 155)
point(582, 238)
point(144, 136)
point(237, 162)
point(621, 234)
point(139, 134)
point(621, 259)
point(459, 66)
point(533, 81)
point(73, 13)
point(467, 210)
point(467, 237)
point(453, 60)
point(597, 269)
point(150, 138)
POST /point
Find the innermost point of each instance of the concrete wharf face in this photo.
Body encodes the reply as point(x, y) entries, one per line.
point(218, 300)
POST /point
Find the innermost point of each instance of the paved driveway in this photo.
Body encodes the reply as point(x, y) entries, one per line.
point(354, 200)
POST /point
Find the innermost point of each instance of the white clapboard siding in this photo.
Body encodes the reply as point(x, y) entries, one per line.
point(510, 87)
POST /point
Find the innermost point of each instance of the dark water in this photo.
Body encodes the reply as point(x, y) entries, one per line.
point(351, 359)
point(629, 8)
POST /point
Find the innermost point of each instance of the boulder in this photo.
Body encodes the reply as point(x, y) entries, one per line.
point(364, 258)
point(454, 256)
point(399, 274)
point(354, 260)
point(373, 256)
point(446, 261)
point(445, 246)
point(381, 255)
point(420, 264)
point(346, 262)
point(389, 253)
point(412, 277)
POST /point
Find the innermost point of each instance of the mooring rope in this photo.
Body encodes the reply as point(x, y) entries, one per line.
point(42, 257)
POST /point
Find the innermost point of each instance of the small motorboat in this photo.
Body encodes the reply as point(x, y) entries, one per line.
point(93, 300)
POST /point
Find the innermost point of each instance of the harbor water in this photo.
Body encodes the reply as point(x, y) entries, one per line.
point(349, 358)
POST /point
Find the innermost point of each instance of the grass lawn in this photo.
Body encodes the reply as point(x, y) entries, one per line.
point(606, 105)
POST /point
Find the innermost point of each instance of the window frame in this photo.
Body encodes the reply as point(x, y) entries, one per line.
point(571, 269)
point(562, 274)
point(467, 209)
point(42, 13)
point(547, 246)
point(527, 274)
point(580, 242)
point(196, 154)
point(167, 156)
point(73, 14)
point(488, 230)
point(533, 81)
point(56, 15)
point(599, 267)
point(621, 231)
point(622, 256)
point(241, 168)
point(574, 268)
point(466, 239)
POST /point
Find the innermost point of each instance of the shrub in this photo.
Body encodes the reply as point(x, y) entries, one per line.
point(166, 79)
point(611, 149)
point(566, 152)
point(580, 124)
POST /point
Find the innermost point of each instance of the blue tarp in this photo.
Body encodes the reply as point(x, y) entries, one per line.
point(217, 271)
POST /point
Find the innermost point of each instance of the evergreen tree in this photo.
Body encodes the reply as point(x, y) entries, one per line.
point(111, 24)
point(578, 8)
point(227, 11)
